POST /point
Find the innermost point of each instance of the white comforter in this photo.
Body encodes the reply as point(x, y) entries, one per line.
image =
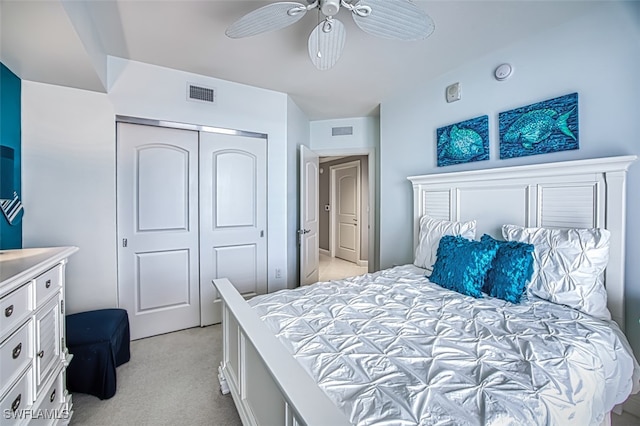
point(392, 348)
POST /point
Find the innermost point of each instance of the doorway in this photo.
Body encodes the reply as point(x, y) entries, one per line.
point(344, 216)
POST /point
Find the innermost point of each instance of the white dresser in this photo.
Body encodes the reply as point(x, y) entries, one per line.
point(33, 355)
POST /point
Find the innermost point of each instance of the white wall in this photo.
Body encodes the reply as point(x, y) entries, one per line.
point(297, 134)
point(69, 164)
point(596, 55)
point(365, 134)
point(68, 185)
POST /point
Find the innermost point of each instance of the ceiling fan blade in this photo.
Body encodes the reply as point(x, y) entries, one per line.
point(326, 43)
point(271, 17)
point(393, 19)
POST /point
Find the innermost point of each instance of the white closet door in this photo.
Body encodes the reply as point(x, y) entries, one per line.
point(157, 185)
point(233, 218)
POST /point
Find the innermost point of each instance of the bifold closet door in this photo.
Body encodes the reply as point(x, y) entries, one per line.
point(233, 217)
point(158, 253)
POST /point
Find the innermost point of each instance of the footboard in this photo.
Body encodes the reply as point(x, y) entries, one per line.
point(269, 387)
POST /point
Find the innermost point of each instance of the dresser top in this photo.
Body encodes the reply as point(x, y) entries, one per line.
point(16, 266)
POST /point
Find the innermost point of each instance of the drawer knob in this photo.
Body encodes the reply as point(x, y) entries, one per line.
point(47, 284)
point(40, 354)
point(16, 403)
point(16, 351)
point(8, 311)
point(53, 396)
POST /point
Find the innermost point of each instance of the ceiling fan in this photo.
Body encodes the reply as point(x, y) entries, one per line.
point(392, 19)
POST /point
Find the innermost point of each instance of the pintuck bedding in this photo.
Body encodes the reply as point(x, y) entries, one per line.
point(393, 348)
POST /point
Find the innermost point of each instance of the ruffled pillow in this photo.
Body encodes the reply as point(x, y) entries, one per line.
point(510, 271)
point(431, 230)
point(462, 264)
point(569, 266)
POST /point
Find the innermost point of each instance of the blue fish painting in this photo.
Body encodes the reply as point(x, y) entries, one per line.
point(463, 142)
point(540, 128)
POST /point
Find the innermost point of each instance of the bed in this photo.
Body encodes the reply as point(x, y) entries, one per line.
point(394, 347)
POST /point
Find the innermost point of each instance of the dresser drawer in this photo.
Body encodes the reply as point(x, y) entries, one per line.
point(15, 307)
point(51, 399)
point(19, 399)
point(16, 353)
point(48, 283)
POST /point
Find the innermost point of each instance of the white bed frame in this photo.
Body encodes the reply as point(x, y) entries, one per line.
point(269, 387)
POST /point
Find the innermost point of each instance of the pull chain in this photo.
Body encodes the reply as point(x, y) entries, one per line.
point(319, 54)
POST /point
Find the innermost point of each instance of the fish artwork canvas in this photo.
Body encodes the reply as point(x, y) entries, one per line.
point(540, 128)
point(463, 142)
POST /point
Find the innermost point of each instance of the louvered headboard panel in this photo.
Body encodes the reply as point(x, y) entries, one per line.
point(571, 194)
point(437, 204)
point(571, 206)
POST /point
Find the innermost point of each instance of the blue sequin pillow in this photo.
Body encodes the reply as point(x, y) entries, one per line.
point(461, 264)
point(510, 271)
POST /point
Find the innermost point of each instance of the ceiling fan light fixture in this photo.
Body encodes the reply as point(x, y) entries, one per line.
point(329, 7)
point(393, 19)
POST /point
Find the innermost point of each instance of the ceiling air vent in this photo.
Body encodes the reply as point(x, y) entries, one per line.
point(201, 93)
point(342, 131)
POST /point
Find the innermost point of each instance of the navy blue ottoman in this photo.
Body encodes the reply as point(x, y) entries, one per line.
point(99, 342)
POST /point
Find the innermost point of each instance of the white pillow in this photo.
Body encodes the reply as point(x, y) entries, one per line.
point(431, 230)
point(568, 266)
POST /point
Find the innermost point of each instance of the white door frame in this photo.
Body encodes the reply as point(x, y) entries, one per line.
point(333, 191)
point(374, 249)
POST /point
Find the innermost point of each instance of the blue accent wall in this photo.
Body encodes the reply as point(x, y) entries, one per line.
point(10, 87)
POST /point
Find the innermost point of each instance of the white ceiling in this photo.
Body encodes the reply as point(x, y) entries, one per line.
point(39, 41)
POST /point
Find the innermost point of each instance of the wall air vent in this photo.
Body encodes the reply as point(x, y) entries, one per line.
point(201, 93)
point(342, 131)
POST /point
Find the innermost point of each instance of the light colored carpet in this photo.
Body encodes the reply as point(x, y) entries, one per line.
point(625, 419)
point(171, 380)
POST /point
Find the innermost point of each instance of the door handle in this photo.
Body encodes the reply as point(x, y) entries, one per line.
point(303, 231)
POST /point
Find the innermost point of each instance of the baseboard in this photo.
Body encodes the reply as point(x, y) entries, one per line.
point(632, 405)
point(325, 252)
point(364, 263)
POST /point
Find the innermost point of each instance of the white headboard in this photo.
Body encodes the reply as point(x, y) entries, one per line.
point(570, 194)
